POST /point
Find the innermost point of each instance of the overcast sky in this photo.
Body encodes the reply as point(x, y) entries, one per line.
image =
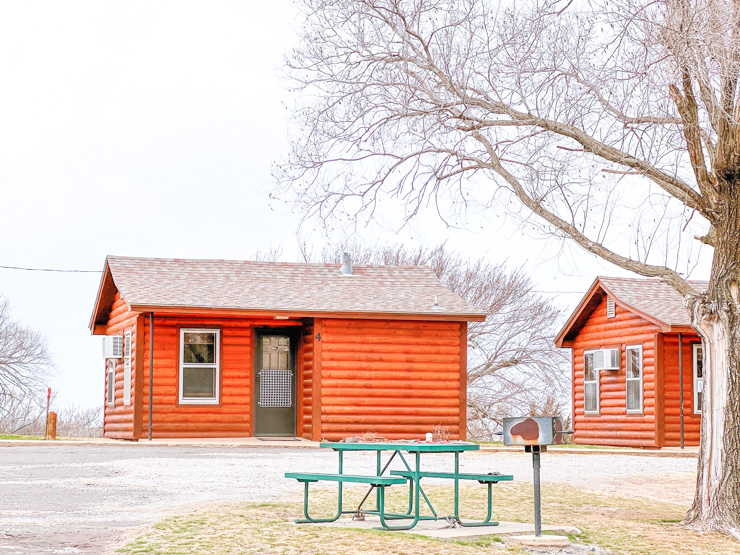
point(149, 129)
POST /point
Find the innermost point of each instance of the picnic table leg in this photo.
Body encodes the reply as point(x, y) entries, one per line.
point(309, 518)
point(339, 500)
point(457, 485)
point(487, 521)
point(377, 492)
point(415, 521)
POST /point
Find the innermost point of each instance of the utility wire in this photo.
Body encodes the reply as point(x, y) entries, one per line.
point(50, 270)
point(59, 270)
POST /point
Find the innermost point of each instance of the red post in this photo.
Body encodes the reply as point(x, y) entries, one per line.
point(48, 400)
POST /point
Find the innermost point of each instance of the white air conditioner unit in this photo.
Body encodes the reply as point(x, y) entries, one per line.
point(113, 346)
point(606, 359)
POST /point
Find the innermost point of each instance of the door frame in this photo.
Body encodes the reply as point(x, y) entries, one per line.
point(294, 333)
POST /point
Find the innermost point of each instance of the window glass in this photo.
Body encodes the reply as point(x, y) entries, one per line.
point(590, 384)
point(199, 367)
point(111, 381)
point(698, 377)
point(200, 348)
point(198, 382)
point(275, 352)
point(634, 378)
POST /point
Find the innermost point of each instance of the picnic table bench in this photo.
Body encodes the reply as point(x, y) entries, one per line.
point(412, 476)
point(380, 482)
point(487, 479)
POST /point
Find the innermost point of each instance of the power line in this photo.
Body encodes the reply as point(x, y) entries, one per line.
point(51, 270)
point(73, 271)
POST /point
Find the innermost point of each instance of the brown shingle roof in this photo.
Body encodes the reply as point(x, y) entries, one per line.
point(280, 286)
point(651, 298)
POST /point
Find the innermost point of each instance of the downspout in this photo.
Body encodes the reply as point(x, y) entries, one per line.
point(151, 369)
point(680, 379)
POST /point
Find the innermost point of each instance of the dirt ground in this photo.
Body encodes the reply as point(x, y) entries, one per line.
point(89, 498)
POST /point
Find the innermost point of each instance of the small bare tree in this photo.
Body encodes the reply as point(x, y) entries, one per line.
point(25, 363)
point(512, 361)
point(616, 124)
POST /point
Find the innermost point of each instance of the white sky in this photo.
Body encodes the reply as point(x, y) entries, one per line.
point(149, 129)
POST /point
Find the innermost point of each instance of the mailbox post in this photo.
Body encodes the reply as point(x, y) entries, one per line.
point(535, 434)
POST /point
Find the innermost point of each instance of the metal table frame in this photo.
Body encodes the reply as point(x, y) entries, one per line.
point(416, 492)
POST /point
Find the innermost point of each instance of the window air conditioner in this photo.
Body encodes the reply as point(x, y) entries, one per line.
point(606, 359)
point(113, 346)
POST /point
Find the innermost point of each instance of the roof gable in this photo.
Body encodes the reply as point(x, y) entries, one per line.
point(650, 298)
point(148, 284)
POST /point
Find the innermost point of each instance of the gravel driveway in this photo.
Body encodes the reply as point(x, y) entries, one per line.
point(87, 498)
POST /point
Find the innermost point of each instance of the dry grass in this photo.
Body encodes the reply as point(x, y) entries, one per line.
point(619, 524)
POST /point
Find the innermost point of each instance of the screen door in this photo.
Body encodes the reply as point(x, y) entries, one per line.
point(275, 406)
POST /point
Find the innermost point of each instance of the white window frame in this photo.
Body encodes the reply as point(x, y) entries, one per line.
point(596, 381)
point(127, 368)
point(627, 379)
point(217, 388)
point(110, 372)
point(696, 347)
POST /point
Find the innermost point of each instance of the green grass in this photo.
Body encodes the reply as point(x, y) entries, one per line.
point(618, 523)
point(11, 436)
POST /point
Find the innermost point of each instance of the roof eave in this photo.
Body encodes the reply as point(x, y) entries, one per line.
point(98, 297)
point(204, 310)
point(560, 338)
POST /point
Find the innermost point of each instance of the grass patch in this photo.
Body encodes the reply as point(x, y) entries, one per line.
point(620, 524)
point(12, 436)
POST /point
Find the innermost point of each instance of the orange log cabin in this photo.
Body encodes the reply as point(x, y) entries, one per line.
point(627, 365)
point(216, 348)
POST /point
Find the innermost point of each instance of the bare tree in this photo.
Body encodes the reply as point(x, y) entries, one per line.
point(25, 362)
point(615, 123)
point(512, 361)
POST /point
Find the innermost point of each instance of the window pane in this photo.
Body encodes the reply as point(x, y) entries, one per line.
point(698, 401)
point(275, 352)
point(199, 348)
point(699, 363)
point(634, 363)
point(198, 382)
point(111, 381)
point(633, 395)
point(590, 397)
point(588, 367)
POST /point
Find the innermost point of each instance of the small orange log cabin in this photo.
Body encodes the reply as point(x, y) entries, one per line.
point(626, 365)
point(280, 349)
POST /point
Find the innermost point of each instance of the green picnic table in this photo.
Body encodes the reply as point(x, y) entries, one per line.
point(411, 474)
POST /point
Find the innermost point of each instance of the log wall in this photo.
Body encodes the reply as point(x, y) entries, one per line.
point(305, 415)
point(613, 425)
point(692, 422)
point(118, 420)
point(398, 379)
point(170, 419)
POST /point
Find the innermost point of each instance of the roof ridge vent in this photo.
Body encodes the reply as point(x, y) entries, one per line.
point(346, 268)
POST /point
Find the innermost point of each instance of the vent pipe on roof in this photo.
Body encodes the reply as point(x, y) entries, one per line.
point(346, 268)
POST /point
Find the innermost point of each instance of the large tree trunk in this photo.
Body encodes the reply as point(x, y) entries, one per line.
point(716, 316)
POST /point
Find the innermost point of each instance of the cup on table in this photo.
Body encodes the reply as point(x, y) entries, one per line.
point(429, 437)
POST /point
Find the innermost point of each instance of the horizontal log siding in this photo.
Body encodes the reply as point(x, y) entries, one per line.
point(613, 425)
point(692, 422)
point(118, 420)
point(306, 414)
point(398, 379)
point(230, 418)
